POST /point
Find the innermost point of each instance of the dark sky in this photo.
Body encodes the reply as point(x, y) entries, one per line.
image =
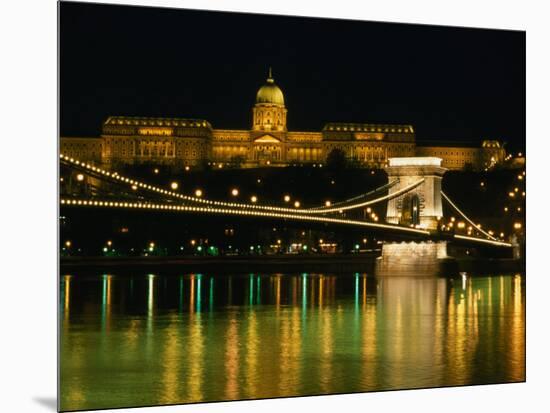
point(450, 83)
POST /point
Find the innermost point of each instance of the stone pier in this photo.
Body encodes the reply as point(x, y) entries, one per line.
point(422, 259)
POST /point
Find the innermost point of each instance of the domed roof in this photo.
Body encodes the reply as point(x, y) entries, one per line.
point(270, 93)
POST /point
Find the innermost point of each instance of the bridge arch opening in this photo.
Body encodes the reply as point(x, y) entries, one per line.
point(410, 210)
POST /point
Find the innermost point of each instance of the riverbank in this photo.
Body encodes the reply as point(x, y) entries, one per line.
point(340, 263)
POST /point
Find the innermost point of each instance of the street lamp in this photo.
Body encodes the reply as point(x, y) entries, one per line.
point(234, 192)
point(253, 198)
point(80, 177)
point(174, 185)
point(327, 203)
point(297, 204)
point(198, 193)
point(287, 198)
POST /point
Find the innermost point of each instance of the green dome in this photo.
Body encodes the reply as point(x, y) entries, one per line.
point(270, 93)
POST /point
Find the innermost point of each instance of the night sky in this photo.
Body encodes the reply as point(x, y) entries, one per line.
point(450, 83)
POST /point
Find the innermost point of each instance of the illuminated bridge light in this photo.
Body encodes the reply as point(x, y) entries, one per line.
point(266, 210)
point(270, 208)
point(271, 214)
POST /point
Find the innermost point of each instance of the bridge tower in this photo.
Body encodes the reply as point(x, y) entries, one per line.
point(421, 205)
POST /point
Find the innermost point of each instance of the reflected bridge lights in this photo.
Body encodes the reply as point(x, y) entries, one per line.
point(464, 276)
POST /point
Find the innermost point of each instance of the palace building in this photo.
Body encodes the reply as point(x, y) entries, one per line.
point(180, 142)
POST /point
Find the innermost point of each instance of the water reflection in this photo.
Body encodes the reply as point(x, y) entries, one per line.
point(164, 339)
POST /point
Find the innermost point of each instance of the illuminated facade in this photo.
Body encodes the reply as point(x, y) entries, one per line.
point(180, 142)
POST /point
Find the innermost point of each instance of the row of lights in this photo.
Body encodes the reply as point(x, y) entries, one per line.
point(185, 208)
point(115, 204)
point(462, 225)
point(198, 193)
point(220, 203)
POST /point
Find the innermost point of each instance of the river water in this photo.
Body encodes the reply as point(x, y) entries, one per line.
point(148, 339)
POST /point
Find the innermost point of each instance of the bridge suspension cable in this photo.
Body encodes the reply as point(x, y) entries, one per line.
point(465, 217)
point(373, 201)
point(232, 211)
point(358, 197)
point(229, 211)
point(122, 179)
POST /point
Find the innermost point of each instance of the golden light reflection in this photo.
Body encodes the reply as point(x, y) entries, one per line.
point(252, 354)
point(501, 293)
point(458, 340)
point(304, 294)
point(295, 347)
point(398, 340)
point(516, 345)
point(196, 358)
point(473, 315)
point(232, 359)
point(364, 292)
point(170, 365)
point(192, 294)
point(463, 332)
point(326, 344)
point(278, 291)
point(369, 336)
point(150, 302)
point(284, 351)
point(439, 314)
point(106, 302)
point(405, 333)
point(490, 296)
point(67, 296)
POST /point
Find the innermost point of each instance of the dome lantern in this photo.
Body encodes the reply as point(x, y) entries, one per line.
point(270, 93)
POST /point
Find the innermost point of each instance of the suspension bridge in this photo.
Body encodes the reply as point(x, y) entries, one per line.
point(413, 195)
